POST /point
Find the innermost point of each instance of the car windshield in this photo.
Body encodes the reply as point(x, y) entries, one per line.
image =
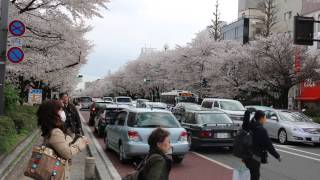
point(85, 99)
point(231, 105)
point(186, 99)
point(214, 118)
point(124, 100)
point(156, 105)
point(294, 117)
point(112, 113)
point(107, 99)
point(154, 119)
point(192, 107)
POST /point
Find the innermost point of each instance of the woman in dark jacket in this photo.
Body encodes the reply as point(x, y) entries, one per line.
point(158, 165)
point(261, 144)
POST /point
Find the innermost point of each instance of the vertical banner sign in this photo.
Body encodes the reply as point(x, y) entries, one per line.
point(35, 96)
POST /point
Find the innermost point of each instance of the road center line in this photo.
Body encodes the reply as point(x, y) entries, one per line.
point(307, 157)
point(307, 152)
point(212, 160)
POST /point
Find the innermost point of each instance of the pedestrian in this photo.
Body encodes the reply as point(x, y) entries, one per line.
point(158, 164)
point(55, 136)
point(261, 144)
point(73, 122)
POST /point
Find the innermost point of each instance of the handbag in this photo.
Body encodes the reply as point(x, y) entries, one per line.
point(44, 164)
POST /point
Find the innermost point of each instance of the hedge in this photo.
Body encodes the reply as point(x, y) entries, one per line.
point(17, 125)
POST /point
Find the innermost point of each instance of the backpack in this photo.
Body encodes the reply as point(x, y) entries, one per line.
point(242, 147)
point(137, 174)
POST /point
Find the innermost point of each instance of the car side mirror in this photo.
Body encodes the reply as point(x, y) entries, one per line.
point(275, 118)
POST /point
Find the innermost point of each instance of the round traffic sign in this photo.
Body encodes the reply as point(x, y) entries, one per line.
point(17, 28)
point(15, 55)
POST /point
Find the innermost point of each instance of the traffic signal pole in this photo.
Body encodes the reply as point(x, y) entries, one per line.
point(3, 49)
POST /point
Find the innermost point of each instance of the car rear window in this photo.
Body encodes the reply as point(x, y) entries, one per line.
point(85, 99)
point(213, 118)
point(153, 119)
point(124, 100)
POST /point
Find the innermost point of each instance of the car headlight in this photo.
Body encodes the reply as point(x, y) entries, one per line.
point(297, 129)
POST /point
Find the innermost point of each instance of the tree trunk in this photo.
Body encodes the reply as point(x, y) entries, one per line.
point(283, 99)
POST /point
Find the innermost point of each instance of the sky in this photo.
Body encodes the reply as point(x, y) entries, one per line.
point(129, 25)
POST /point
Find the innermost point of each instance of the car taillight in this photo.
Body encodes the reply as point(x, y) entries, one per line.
point(183, 136)
point(205, 134)
point(133, 136)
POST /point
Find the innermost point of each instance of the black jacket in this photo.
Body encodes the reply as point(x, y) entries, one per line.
point(260, 141)
point(73, 121)
point(157, 167)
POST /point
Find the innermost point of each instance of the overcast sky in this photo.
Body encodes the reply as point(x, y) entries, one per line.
point(129, 25)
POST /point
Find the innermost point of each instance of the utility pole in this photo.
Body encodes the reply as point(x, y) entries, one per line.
point(3, 49)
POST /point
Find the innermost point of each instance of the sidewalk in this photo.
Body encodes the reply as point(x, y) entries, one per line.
point(77, 168)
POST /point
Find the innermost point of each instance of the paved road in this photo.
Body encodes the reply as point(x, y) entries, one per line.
point(193, 166)
point(299, 162)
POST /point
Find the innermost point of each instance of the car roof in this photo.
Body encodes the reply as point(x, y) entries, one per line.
point(122, 97)
point(218, 99)
point(260, 107)
point(117, 106)
point(142, 110)
point(205, 111)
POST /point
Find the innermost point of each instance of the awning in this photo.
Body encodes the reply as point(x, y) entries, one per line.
point(301, 98)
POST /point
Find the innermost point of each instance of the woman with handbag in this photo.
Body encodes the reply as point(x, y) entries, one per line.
point(55, 138)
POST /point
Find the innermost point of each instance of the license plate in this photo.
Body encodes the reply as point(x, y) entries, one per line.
point(222, 135)
point(316, 139)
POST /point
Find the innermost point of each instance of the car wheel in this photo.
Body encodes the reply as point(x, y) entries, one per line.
point(122, 154)
point(177, 159)
point(282, 137)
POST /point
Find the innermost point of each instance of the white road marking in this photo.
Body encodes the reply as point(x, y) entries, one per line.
point(298, 150)
point(307, 157)
point(212, 160)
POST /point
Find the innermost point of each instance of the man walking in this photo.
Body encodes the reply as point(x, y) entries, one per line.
point(72, 123)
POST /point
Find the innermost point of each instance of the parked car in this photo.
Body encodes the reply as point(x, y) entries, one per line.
point(128, 136)
point(124, 100)
point(107, 98)
point(261, 108)
point(209, 128)
point(85, 102)
point(292, 126)
point(233, 108)
point(95, 108)
point(141, 102)
point(105, 117)
point(154, 105)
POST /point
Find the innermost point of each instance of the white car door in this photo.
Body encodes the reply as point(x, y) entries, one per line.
point(272, 125)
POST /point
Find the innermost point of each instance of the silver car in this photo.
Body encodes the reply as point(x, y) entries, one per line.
point(128, 136)
point(123, 100)
point(292, 126)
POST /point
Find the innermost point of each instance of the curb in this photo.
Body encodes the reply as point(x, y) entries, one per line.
point(10, 161)
point(104, 167)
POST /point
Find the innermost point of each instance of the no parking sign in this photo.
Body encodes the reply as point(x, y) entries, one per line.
point(16, 54)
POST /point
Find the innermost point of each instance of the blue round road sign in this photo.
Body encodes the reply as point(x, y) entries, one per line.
point(17, 28)
point(15, 55)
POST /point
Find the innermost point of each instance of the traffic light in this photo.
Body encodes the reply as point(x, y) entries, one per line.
point(303, 30)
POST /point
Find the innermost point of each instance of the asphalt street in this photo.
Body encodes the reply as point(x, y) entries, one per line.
point(299, 162)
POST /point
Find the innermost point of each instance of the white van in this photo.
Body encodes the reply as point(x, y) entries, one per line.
point(233, 108)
